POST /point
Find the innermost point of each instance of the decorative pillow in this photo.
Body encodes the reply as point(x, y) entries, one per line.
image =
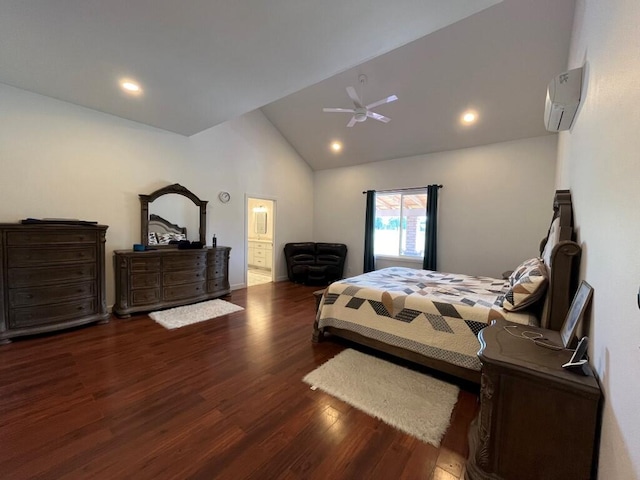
point(552, 240)
point(153, 240)
point(164, 238)
point(521, 269)
point(528, 283)
point(178, 236)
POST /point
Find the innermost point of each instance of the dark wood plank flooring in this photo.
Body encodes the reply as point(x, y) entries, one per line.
point(219, 399)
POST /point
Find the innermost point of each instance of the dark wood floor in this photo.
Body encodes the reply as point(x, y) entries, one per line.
point(219, 399)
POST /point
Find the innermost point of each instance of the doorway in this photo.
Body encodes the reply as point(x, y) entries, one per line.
point(260, 240)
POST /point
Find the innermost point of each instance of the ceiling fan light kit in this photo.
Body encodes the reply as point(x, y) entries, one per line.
point(360, 112)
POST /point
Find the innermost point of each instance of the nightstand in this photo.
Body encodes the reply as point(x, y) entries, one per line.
point(536, 421)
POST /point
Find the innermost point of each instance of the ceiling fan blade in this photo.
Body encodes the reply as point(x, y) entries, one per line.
point(339, 110)
point(389, 99)
point(352, 122)
point(354, 96)
point(377, 116)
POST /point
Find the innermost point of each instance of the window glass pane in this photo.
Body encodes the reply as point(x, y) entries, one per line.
point(386, 238)
point(413, 224)
point(400, 224)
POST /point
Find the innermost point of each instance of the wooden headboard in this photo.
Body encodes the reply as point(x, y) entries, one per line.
point(563, 268)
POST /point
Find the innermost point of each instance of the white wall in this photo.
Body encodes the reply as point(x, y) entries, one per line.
point(248, 155)
point(599, 161)
point(61, 160)
point(494, 209)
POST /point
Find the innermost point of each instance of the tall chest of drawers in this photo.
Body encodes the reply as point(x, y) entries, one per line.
point(156, 279)
point(51, 277)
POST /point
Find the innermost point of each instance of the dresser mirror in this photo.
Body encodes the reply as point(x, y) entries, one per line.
point(171, 214)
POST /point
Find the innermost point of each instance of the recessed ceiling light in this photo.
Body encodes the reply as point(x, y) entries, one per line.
point(336, 146)
point(129, 86)
point(469, 117)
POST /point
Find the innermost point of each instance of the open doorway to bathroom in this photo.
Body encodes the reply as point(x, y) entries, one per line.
point(260, 223)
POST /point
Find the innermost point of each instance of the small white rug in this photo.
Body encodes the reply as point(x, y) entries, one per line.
point(198, 312)
point(410, 401)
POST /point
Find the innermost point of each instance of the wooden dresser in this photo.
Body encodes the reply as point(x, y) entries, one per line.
point(51, 277)
point(536, 420)
point(156, 279)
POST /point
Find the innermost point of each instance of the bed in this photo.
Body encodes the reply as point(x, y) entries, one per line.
point(433, 318)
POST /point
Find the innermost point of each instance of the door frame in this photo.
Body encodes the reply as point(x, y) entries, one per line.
point(274, 201)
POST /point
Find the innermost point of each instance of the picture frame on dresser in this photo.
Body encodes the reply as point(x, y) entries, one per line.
point(576, 313)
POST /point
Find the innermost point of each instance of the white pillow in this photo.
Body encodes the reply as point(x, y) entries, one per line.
point(552, 240)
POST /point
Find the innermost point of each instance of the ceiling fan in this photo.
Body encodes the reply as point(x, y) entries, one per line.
point(362, 112)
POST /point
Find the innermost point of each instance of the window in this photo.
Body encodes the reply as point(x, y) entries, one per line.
point(400, 223)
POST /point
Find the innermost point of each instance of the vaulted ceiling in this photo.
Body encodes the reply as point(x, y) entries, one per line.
point(201, 63)
point(497, 62)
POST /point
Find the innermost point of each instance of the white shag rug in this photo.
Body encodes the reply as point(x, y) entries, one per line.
point(410, 401)
point(198, 312)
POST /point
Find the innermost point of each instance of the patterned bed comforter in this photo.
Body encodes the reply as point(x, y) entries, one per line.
point(432, 313)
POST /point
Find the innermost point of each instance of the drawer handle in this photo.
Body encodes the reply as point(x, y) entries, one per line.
point(80, 308)
point(81, 290)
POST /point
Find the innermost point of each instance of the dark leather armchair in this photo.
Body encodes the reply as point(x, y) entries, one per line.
point(315, 263)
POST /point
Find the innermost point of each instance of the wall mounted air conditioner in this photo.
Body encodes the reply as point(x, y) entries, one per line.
point(563, 98)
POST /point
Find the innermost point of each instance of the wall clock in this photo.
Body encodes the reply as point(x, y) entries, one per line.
point(224, 197)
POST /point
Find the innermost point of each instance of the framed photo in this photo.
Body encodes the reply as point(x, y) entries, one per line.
point(576, 312)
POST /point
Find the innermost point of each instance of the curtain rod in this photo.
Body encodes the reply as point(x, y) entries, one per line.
point(402, 189)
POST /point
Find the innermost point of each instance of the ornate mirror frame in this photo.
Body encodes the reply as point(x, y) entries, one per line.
point(180, 190)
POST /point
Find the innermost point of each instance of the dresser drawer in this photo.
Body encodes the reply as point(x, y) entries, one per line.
point(260, 262)
point(217, 284)
point(217, 271)
point(183, 291)
point(149, 264)
point(187, 276)
point(145, 280)
point(184, 262)
point(219, 257)
point(26, 257)
point(259, 253)
point(50, 238)
point(22, 297)
point(48, 314)
point(145, 296)
point(37, 276)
